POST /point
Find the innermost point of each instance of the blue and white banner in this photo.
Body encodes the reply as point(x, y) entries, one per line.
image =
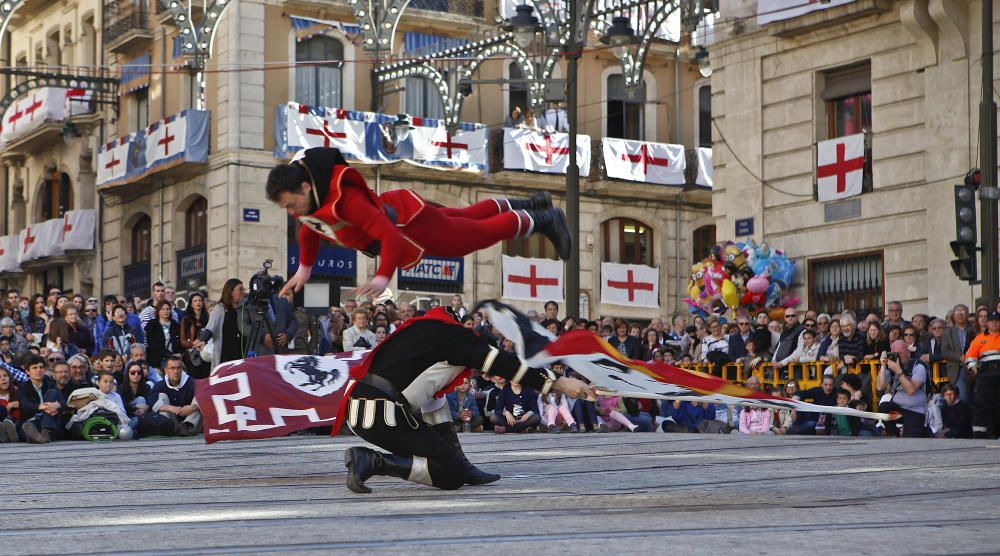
point(435, 269)
point(330, 261)
point(119, 159)
point(175, 140)
point(368, 138)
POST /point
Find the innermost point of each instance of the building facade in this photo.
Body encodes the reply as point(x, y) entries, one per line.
point(180, 176)
point(788, 77)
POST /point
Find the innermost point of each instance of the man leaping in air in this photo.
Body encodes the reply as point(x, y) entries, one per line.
point(332, 201)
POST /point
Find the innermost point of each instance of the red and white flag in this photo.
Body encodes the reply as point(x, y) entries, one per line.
point(704, 178)
point(166, 138)
point(76, 231)
point(9, 248)
point(40, 240)
point(543, 152)
point(435, 144)
point(78, 101)
point(644, 162)
point(532, 279)
point(631, 285)
point(840, 165)
point(324, 127)
point(31, 111)
point(112, 160)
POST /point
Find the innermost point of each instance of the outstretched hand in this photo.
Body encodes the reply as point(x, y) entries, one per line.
point(374, 288)
point(297, 281)
point(574, 388)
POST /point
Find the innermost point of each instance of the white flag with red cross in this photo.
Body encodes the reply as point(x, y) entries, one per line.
point(40, 240)
point(8, 254)
point(631, 285)
point(166, 139)
point(644, 162)
point(31, 111)
point(317, 126)
point(76, 231)
point(112, 160)
point(437, 145)
point(532, 279)
point(525, 149)
point(840, 167)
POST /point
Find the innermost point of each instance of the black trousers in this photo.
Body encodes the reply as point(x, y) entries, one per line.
point(374, 416)
point(987, 396)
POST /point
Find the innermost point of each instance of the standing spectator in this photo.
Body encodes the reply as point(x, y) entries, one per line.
point(627, 345)
point(307, 332)
point(194, 321)
point(829, 348)
point(894, 316)
point(40, 402)
point(714, 346)
point(556, 119)
point(89, 315)
point(226, 325)
point(551, 310)
point(955, 343)
point(170, 294)
point(37, 323)
point(514, 118)
point(875, 342)
point(463, 408)
point(930, 350)
point(163, 335)
point(903, 378)
point(984, 366)
point(174, 397)
point(333, 329)
point(650, 343)
point(982, 316)
point(69, 334)
point(119, 335)
point(104, 320)
point(805, 353)
point(457, 307)
point(956, 416)
point(9, 408)
point(678, 324)
point(283, 324)
point(517, 409)
point(922, 323)
point(50, 302)
point(851, 343)
point(8, 328)
point(788, 340)
point(358, 337)
point(149, 313)
point(743, 336)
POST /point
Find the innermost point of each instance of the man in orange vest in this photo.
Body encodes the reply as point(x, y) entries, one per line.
point(332, 201)
point(983, 361)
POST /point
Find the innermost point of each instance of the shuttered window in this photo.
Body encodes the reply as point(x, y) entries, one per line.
point(852, 282)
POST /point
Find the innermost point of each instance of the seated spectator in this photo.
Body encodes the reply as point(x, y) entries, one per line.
point(781, 419)
point(584, 411)
point(686, 416)
point(174, 398)
point(641, 412)
point(106, 384)
point(41, 404)
point(358, 337)
point(517, 410)
point(811, 423)
point(755, 420)
point(9, 412)
point(868, 427)
point(464, 410)
point(842, 425)
point(956, 417)
point(556, 415)
point(610, 413)
point(80, 375)
point(854, 385)
point(7, 354)
point(69, 334)
point(135, 393)
point(8, 329)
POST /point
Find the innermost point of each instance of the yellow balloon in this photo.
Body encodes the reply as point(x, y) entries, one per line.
point(730, 296)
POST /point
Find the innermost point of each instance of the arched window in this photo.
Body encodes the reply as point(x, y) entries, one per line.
point(627, 241)
point(196, 224)
point(702, 242)
point(319, 84)
point(423, 98)
point(142, 245)
point(56, 196)
point(626, 113)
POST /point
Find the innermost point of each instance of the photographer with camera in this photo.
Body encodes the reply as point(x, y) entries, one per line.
point(284, 325)
point(903, 378)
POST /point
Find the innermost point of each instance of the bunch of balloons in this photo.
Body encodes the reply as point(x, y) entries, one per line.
point(741, 275)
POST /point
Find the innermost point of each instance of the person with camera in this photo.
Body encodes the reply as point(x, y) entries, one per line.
point(332, 201)
point(903, 378)
point(280, 315)
point(983, 363)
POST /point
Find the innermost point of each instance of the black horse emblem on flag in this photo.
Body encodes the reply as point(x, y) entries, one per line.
point(317, 378)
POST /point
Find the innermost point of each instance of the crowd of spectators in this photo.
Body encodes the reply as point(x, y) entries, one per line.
point(132, 362)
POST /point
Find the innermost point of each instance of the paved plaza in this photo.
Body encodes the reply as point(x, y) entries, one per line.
point(561, 494)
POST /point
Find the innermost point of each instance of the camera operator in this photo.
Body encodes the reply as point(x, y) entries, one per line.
point(280, 314)
point(904, 380)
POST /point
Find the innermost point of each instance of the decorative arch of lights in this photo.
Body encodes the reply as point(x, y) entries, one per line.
point(378, 20)
point(477, 52)
point(649, 16)
point(36, 81)
point(7, 9)
point(198, 39)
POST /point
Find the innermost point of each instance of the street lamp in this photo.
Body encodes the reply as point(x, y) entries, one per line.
point(620, 36)
point(704, 62)
point(523, 25)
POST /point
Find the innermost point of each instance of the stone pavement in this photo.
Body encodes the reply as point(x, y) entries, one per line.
point(561, 494)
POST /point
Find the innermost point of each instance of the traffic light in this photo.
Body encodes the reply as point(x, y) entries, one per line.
point(964, 245)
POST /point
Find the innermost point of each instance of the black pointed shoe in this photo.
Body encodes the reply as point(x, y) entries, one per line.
point(539, 201)
point(552, 223)
point(361, 464)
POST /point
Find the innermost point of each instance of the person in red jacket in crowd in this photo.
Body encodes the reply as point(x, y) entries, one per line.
point(332, 201)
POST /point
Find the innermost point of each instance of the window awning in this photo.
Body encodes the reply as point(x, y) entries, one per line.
point(135, 74)
point(307, 27)
point(422, 44)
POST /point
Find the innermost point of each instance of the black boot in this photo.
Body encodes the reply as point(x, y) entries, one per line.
point(473, 475)
point(552, 223)
point(363, 463)
point(539, 201)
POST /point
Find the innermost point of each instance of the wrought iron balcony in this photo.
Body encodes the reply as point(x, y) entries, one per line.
point(126, 23)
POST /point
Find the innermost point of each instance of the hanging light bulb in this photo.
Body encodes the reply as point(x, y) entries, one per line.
point(523, 25)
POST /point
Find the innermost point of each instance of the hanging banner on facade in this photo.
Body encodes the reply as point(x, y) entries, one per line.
point(28, 113)
point(324, 127)
point(117, 160)
point(769, 11)
point(9, 248)
point(840, 167)
point(466, 149)
point(177, 139)
point(642, 161)
point(76, 230)
point(532, 279)
point(630, 285)
point(78, 102)
point(704, 178)
point(525, 149)
point(40, 240)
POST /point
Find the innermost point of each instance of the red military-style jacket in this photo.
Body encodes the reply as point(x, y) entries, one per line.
point(351, 215)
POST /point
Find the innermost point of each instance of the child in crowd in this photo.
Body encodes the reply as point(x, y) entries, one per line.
point(842, 424)
point(610, 411)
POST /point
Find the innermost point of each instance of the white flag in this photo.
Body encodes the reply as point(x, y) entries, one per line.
point(77, 230)
point(8, 254)
point(31, 111)
point(630, 285)
point(543, 152)
point(78, 101)
point(840, 165)
point(112, 160)
point(324, 127)
point(704, 178)
point(40, 240)
point(534, 279)
point(646, 162)
point(435, 144)
point(165, 139)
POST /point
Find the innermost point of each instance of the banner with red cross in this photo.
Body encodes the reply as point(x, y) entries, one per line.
point(525, 149)
point(532, 279)
point(630, 285)
point(176, 139)
point(113, 160)
point(28, 113)
point(9, 248)
point(76, 230)
point(40, 240)
point(642, 161)
point(465, 149)
point(310, 126)
point(840, 167)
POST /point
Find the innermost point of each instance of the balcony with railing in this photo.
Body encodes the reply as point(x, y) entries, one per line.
point(127, 24)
